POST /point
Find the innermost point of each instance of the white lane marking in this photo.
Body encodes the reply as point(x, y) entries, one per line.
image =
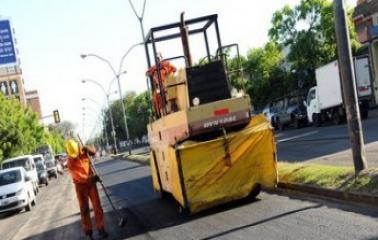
point(298, 136)
point(279, 135)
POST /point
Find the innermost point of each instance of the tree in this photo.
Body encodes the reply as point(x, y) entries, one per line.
point(266, 77)
point(21, 131)
point(64, 128)
point(308, 32)
point(137, 111)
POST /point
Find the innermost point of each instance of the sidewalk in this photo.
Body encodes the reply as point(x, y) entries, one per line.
point(345, 158)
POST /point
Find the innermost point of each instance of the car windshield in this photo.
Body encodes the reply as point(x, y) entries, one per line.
point(23, 162)
point(50, 164)
point(293, 102)
point(10, 177)
point(40, 167)
point(37, 159)
point(48, 157)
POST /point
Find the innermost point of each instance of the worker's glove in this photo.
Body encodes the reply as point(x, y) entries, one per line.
point(96, 179)
point(85, 149)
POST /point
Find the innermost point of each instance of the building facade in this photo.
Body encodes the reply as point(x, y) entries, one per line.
point(365, 18)
point(32, 100)
point(12, 83)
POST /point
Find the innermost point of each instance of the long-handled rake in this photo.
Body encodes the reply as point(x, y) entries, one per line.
point(121, 220)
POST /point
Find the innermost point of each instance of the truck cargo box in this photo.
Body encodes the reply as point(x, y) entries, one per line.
point(329, 87)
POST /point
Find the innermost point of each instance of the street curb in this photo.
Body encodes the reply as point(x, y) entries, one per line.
point(328, 193)
point(142, 159)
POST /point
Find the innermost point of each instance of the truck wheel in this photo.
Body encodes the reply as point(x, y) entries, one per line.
point(28, 207)
point(364, 114)
point(184, 211)
point(272, 122)
point(296, 123)
point(336, 118)
point(280, 126)
point(316, 119)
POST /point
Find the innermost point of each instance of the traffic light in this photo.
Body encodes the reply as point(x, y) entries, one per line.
point(56, 116)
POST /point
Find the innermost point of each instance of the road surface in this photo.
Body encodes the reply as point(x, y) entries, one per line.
point(304, 144)
point(271, 216)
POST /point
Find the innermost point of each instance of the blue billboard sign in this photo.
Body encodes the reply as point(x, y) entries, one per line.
point(7, 50)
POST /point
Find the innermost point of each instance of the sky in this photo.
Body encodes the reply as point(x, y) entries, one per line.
point(51, 36)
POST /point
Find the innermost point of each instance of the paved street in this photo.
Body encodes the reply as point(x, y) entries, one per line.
point(272, 216)
point(310, 143)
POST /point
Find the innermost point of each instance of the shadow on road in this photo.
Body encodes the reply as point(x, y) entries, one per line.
point(73, 230)
point(330, 203)
point(10, 214)
point(260, 222)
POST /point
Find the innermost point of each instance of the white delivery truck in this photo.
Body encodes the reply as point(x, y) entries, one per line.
point(325, 100)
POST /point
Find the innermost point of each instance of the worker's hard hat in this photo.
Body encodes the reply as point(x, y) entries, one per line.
point(72, 148)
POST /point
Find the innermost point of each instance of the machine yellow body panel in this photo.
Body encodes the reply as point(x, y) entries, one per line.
point(201, 175)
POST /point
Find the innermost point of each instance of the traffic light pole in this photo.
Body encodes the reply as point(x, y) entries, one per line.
point(349, 87)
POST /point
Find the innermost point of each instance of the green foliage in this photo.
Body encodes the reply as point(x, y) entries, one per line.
point(65, 128)
point(137, 111)
point(56, 140)
point(266, 78)
point(308, 32)
point(20, 129)
point(332, 177)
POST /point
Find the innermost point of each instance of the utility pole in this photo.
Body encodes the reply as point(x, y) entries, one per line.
point(349, 87)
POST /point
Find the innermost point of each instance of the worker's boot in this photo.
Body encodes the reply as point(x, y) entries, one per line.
point(102, 233)
point(89, 236)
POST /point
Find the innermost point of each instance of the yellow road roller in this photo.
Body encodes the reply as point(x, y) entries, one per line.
point(206, 147)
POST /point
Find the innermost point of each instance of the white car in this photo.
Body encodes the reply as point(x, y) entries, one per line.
point(16, 190)
point(52, 169)
point(26, 161)
point(269, 112)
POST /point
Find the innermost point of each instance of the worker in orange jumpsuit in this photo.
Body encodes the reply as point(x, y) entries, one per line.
point(166, 68)
point(85, 185)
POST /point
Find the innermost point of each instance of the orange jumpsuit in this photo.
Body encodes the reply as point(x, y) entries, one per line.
point(166, 68)
point(86, 189)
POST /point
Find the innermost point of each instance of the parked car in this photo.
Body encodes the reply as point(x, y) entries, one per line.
point(269, 111)
point(42, 173)
point(38, 158)
point(52, 170)
point(290, 111)
point(28, 163)
point(16, 190)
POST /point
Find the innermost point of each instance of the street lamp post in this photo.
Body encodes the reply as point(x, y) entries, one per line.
point(117, 76)
point(110, 111)
point(85, 109)
point(103, 117)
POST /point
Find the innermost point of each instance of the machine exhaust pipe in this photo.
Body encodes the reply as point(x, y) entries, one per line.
point(185, 40)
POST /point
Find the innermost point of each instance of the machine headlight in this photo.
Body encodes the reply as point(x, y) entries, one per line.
point(20, 192)
point(196, 101)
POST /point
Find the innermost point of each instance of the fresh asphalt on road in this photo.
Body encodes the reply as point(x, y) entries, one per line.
point(271, 216)
point(307, 143)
